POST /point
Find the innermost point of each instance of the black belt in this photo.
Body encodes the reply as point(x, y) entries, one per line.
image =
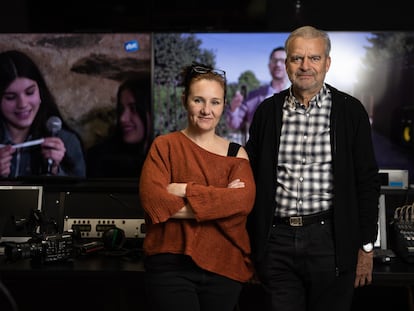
point(300, 221)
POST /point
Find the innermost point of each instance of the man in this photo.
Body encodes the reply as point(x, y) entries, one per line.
point(315, 217)
point(241, 111)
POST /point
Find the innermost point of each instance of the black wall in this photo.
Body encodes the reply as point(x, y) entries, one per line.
point(212, 15)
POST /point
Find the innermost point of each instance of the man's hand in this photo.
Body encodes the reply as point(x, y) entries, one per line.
point(236, 101)
point(364, 268)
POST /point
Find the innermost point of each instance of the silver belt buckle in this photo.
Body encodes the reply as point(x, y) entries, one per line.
point(295, 221)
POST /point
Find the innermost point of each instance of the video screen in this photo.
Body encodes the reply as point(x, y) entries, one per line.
point(83, 72)
point(375, 67)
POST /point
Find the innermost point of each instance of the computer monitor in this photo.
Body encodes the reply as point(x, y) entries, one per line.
point(19, 203)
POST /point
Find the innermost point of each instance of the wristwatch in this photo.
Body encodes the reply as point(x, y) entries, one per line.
point(368, 248)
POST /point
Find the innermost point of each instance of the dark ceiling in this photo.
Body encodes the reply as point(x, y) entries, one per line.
point(211, 15)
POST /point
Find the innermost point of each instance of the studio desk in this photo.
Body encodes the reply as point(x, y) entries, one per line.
point(113, 280)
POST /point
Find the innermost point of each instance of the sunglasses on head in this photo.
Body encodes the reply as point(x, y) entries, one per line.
point(201, 69)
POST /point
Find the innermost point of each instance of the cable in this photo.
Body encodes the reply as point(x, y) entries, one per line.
point(9, 297)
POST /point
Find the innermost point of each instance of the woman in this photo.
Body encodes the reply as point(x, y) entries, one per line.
point(196, 198)
point(123, 154)
point(27, 108)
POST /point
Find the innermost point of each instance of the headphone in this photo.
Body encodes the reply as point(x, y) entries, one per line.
point(113, 239)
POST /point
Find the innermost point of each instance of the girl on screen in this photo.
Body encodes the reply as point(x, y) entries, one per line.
point(34, 139)
point(123, 153)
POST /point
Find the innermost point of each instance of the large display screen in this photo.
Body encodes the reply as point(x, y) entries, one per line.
point(83, 72)
point(375, 67)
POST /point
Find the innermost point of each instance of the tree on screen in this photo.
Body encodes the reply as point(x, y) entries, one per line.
point(172, 52)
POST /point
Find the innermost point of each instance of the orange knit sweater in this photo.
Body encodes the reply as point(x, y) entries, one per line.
point(217, 240)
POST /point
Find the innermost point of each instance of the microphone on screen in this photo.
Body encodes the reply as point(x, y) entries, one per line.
point(54, 125)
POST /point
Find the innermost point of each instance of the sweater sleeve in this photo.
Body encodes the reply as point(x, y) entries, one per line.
point(213, 202)
point(158, 204)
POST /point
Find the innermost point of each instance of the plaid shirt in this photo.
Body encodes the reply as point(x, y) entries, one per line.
point(304, 171)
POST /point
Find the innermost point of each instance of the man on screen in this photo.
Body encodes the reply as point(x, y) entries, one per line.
point(241, 111)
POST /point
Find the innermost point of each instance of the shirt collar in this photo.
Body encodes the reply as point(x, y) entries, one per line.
point(292, 103)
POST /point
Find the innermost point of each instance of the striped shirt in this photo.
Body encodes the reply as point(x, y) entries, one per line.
point(304, 172)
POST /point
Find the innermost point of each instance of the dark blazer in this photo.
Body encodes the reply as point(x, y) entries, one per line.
point(356, 178)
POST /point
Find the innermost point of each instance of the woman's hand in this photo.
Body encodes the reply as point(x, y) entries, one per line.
point(6, 155)
point(237, 183)
point(177, 189)
point(53, 148)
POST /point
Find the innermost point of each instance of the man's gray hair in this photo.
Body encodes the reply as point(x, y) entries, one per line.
point(310, 32)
